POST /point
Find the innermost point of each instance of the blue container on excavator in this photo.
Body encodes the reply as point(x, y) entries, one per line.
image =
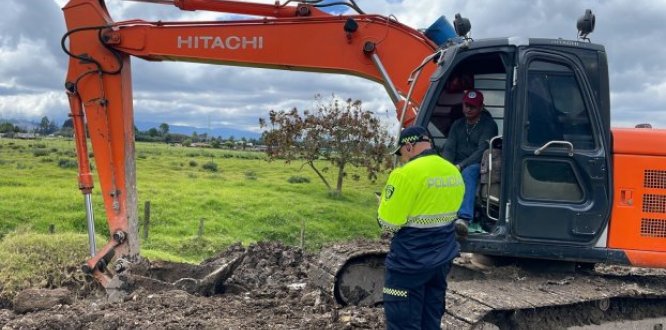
point(441, 31)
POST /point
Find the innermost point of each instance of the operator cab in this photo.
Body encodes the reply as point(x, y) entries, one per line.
point(546, 181)
point(486, 72)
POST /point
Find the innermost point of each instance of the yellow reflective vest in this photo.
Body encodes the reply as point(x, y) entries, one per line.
point(426, 192)
point(419, 204)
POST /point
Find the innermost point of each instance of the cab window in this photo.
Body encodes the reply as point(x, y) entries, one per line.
point(555, 107)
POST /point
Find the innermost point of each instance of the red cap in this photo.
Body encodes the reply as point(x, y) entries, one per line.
point(473, 97)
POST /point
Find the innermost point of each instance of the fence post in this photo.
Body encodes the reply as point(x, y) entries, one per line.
point(146, 219)
point(302, 233)
point(201, 228)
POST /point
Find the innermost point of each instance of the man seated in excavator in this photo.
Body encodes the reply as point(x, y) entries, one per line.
point(467, 140)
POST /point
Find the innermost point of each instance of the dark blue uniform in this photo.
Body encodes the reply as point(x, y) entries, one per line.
point(419, 204)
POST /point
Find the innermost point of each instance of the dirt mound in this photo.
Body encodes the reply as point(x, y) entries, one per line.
point(267, 266)
point(267, 289)
point(265, 285)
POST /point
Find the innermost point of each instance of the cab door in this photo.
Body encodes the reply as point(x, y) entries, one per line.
point(560, 166)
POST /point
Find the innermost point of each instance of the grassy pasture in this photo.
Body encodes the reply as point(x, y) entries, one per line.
point(242, 197)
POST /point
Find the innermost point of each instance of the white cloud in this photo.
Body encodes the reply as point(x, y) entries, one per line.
point(32, 68)
point(27, 65)
point(32, 106)
point(643, 105)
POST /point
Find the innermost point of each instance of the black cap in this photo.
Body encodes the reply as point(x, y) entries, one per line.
point(411, 134)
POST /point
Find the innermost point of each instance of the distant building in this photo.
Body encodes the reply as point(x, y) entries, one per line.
point(27, 136)
point(200, 145)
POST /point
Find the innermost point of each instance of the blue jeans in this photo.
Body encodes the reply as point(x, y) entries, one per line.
point(415, 301)
point(470, 176)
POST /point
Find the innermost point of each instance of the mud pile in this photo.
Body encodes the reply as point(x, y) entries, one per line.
point(267, 289)
point(266, 266)
point(265, 285)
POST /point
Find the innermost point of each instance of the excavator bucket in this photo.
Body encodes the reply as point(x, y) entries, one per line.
point(206, 279)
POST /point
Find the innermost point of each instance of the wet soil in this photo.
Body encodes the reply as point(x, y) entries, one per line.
point(269, 289)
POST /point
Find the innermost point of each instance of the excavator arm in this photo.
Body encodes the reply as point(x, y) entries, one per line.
point(301, 37)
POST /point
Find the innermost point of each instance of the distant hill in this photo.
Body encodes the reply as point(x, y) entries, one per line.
point(224, 132)
point(22, 123)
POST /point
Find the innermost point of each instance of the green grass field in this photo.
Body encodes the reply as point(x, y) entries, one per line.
point(247, 199)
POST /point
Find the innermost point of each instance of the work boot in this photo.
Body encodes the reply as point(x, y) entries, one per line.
point(475, 228)
point(460, 226)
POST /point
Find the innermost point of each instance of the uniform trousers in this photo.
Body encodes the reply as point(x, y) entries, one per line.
point(415, 300)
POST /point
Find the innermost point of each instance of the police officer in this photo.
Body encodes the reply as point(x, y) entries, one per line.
point(419, 204)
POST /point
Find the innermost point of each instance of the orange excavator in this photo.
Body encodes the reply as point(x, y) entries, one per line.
point(300, 37)
point(557, 185)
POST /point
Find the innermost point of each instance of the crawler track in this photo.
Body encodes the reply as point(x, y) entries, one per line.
point(521, 300)
point(352, 273)
point(507, 297)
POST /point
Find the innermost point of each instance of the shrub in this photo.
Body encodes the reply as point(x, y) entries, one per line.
point(68, 153)
point(193, 163)
point(210, 166)
point(250, 175)
point(29, 260)
point(247, 156)
point(298, 179)
point(67, 163)
point(40, 152)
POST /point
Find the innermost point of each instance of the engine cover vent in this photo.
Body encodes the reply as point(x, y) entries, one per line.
point(653, 227)
point(655, 179)
point(654, 203)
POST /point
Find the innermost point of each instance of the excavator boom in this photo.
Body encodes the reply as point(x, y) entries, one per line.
point(300, 37)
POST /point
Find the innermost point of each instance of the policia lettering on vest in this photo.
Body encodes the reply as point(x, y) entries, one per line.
point(419, 205)
point(444, 182)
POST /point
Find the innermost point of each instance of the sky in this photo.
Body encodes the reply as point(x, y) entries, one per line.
point(33, 66)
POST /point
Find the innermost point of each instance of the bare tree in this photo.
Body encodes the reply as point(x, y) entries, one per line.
point(337, 131)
